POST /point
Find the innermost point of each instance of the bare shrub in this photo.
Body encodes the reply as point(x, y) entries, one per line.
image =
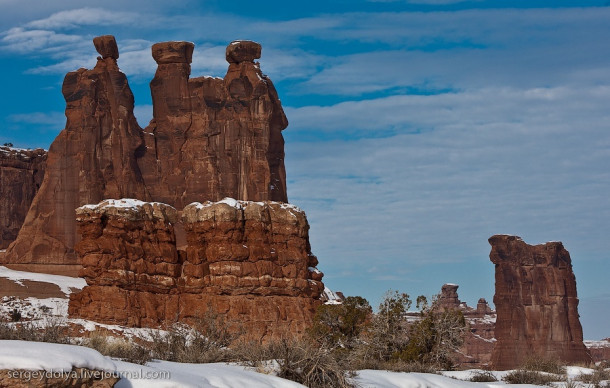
point(49, 330)
point(522, 376)
point(298, 360)
point(118, 348)
point(15, 315)
point(482, 376)
point(206, 341)
point(600, 378)
point(544, 364)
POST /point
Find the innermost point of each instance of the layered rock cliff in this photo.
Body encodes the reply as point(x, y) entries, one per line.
point(536, 303)
point(250, 262)
point(210, 138)
point(21, 174)
point(93, 158)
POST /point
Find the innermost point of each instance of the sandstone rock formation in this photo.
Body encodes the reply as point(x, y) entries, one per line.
point(93, 158)
point(250, 262)
point(21, 174)
point(448, 298)
point(536, 303)
point(210, 138)
point(479, 341)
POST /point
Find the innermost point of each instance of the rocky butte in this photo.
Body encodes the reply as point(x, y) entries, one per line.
point(21, 174)
point(209, 138)
point(179, 251)
point(249, 262)
point(536, 303)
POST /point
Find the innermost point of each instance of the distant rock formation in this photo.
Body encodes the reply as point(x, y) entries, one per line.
point(250, 262)
point(210, 138)
point(479, 342)
point(448, 298)
point(21, 174)
point(536, 303)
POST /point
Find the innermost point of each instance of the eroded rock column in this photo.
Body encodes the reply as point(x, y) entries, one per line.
point(536, 303)
point(93, 158)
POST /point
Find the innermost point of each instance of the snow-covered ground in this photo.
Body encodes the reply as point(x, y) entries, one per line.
point(33, 356)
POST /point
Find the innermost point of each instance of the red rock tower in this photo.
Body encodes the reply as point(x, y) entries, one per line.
point(93, 158)
point(536, 303)
point(212, 138)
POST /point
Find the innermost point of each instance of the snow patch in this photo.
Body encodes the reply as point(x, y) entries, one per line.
point(65, 283)
point(51, 357)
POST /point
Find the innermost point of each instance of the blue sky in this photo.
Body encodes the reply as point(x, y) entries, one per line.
point(418, 128)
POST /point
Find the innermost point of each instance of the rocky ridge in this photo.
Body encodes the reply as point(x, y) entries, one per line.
point(249, 262)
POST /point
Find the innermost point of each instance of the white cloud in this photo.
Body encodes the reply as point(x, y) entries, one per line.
point(527, 162)
point(84, 17)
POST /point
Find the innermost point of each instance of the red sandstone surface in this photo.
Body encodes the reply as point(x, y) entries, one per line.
point(210, 138)
point(21, 174)
point(536, 303)
point(250, 262)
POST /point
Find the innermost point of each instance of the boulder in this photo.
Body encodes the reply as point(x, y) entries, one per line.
point(536, 303)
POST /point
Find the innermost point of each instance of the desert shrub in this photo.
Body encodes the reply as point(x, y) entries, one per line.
point(206, 341)
point(482, 376)
point(302, 361)
point(118, 348)
point(339, 325)
point(598, 379)
point(387, 335)
point(571, 384)
point(15, 315)
point(544, 364)
point(436, 337)
point(522, 376)
point(408, 367)
point(49, 330)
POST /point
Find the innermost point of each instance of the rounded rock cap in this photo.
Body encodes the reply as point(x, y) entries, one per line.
point(243, 51)
point(173, 52)
point(106, 46)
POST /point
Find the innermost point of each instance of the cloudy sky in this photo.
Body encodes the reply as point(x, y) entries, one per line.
point(418, 128)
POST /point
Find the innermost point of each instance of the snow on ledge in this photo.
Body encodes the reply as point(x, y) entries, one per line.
point(123, 203)
point(240, 205)
point(65, 283)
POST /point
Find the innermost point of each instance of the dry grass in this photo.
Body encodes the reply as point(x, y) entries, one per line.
point(118, 348)
point(302, 361)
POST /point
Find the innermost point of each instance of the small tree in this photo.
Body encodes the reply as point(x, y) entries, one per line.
point(436, 336)
point(388, 334)
point(340, 324)
point(8, 144)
